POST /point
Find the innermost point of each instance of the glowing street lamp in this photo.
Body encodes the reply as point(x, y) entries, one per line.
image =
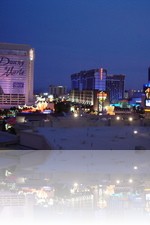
point(75, 185)
point(130, 119)
point(118, 181)
point(130, 181)
point(75, 115)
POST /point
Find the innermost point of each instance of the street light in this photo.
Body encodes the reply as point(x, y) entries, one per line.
point(118, 181)
point(130, 119)
point(75, 185)
point(130, 181)
point(75, 115)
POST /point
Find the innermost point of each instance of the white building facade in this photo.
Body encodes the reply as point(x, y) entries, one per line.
point(16, 75)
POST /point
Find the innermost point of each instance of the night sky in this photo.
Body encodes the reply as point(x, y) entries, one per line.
point(73, 35)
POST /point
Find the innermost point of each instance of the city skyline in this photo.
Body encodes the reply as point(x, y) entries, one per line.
point(70, 36)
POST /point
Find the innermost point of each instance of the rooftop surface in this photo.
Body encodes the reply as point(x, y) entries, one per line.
point(98, 138)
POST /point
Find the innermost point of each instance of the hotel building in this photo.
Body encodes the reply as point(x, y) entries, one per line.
point(89, 80)
point(16, 75)
point(95, 87)
point(115, 87)
point(57, 91)
point(86, 86)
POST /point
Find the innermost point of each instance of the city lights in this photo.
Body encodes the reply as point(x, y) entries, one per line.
point(31, 54)
point(130, 181)
point(117, 181)
point(75, 185)
point(74, 136)
point(130, 119)
point(75, 115)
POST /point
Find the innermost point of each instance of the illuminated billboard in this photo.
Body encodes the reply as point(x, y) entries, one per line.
point(13, 72)
point(102, 96)
point(147, 103)
point(147, 94)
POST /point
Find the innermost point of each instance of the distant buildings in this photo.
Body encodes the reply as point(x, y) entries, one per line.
point(89, 80)
point(95, 86)
point(86, 85)
point(16, 75)
point(140, 98)
point(134, 97)
point(86, 97)
point(57, 91)
point(115, 87)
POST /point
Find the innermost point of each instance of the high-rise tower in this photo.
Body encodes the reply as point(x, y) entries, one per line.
point(115, 87)
point(16, 74)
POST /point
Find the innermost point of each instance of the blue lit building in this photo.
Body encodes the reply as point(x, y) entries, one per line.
point(89, 80)
point(115, 87)
point(86, 85)
point(97, 80)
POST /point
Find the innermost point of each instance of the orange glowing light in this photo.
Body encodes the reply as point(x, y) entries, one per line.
point(102, 95)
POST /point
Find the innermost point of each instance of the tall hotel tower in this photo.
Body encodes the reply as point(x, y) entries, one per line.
point(86, 86)
point(16, 75)
point(115, 87)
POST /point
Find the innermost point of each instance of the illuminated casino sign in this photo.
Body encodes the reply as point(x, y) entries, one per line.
point(147, 94)
point(101, 95)
point(13, 70)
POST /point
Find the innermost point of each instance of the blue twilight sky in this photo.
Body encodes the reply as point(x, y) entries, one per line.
point(73, 35)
